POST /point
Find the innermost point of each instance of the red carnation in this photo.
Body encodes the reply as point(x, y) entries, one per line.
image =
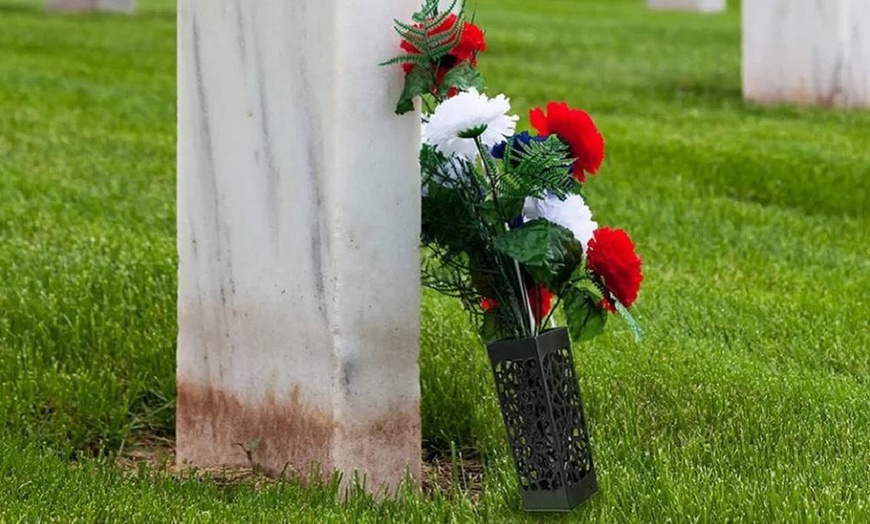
point(488, 304)
point(541, 300)
point(611, 256)
point(471, 42)
point(576, 128)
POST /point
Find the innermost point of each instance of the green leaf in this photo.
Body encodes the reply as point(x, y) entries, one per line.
point(534, 243)
point(585, 318)
point(549, 252)
point(511, 208)
point(417, 82)
point(632, 323)
point(463, 77)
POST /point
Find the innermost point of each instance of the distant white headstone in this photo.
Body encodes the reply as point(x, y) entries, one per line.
point(125, 6)
point(703, 6)
point(807, 52)
point(298, 235)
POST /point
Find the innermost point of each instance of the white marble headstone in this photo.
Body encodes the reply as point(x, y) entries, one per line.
point(444, 4)
point(703, 6)
point(125, 6)
point(298, 235)
point(807, 52)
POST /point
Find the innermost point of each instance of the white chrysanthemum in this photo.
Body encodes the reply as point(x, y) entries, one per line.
point(465, 114)
point(572, 214)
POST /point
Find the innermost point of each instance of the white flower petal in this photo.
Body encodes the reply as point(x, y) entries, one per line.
point(571, 213)
point(466, 111)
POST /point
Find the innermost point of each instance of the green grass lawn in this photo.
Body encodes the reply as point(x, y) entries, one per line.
point(748, 400)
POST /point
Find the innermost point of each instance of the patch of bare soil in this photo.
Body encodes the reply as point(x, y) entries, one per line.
point(461, 474)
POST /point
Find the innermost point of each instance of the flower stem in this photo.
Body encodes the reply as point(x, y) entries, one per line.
point(525, 292)
point(489, 170)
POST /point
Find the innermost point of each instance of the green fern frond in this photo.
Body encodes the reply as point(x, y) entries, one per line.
point(453, 5)
point(439, 18)
point(433, 46)
point(420, 34)
point(536, 169)
point(428, 10)
point(407, 29)
point(420, 42)
point(440, 52)
point(408, 59)
point(452, 36)
point(428, 42)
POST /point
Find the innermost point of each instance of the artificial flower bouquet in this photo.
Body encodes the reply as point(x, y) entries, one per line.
point(504, 219)
point(508, 232)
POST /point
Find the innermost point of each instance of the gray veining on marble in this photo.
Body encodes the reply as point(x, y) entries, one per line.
point(298, 229)
point(702, 6)
point(807, 52)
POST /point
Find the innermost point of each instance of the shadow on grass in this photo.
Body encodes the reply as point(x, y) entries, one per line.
point(701, 89)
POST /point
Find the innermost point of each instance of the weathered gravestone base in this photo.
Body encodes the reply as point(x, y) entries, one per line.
point(298, 230)
point(125, 6)
point(807, 52)
point(704, 6)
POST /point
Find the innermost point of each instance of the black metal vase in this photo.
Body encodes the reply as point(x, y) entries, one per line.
point(543, 415)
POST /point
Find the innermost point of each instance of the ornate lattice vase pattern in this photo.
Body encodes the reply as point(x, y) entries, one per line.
point(543, 415)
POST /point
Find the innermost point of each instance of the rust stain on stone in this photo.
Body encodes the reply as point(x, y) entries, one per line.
point(385, 449)
point(214, 428)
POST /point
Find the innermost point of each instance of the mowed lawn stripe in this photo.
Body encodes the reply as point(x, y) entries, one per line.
point(747, 400)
